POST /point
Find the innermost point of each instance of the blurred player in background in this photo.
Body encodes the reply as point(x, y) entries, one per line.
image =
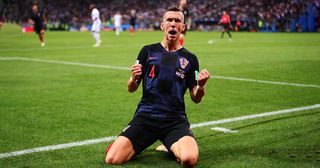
point(226, 23)
point(167, 70)
point(39, 20)
point(96, 24)
point(1, 21)
point(133, 18)
point(187, 19)
point(117, 18)
point(2, 8)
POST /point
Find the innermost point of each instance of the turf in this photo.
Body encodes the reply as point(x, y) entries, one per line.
point(45, 104)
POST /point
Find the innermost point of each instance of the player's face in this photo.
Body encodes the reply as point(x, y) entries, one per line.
point(183, 3)
point(172, 24)
point(35, 8)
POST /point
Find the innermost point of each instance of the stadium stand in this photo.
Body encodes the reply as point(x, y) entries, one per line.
point(246, 15)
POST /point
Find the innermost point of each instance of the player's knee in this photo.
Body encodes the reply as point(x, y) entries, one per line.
point(114, 158)
point(110, 160)
point(189, 160)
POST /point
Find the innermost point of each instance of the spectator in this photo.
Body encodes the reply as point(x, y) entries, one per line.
point(275, 14)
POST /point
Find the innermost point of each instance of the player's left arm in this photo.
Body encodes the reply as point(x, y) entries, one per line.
point(198, 91)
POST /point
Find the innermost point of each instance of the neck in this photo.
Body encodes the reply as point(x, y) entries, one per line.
point(171, 46)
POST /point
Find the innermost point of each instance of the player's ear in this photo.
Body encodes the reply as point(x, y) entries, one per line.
point(162, 26)
point(183, 27)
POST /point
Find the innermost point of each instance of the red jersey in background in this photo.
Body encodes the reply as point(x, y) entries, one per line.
point(225, 19)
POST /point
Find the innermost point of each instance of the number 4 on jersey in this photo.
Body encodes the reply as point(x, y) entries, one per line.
point(152, 74)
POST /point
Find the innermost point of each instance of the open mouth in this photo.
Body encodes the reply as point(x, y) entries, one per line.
point(172, 32)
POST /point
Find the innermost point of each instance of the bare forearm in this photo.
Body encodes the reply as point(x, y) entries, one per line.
point(197, 94)
point(132, 85)
point(134, 80)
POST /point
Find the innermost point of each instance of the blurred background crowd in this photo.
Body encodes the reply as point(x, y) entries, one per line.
point(246, 15)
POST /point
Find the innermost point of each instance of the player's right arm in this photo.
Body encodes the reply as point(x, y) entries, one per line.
point(31, 21)
point(137, 71)
point(134, 80)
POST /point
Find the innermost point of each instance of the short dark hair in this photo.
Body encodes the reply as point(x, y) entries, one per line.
point(173, 9)
point(35, 3)
point(92, 6)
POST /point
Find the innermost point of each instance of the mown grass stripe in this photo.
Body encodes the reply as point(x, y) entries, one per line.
point(127, 68)
point(107, 139)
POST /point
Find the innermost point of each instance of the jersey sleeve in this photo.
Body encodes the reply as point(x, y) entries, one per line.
point(142, 57)
point(191, 81)
point(32, 17)
point(95, 14)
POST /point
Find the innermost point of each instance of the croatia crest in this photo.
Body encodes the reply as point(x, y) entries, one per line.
point(183, 62)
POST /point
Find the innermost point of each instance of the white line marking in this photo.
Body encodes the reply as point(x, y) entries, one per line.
point(127, 68)
point(228, 120)
point(107, 139)
point(55, 147)
point(8, 58)
point(64, 63)
point(224, 130)
point(48, 48)
point(266, 82)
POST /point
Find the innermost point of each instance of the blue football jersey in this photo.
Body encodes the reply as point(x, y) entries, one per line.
point(165, 78)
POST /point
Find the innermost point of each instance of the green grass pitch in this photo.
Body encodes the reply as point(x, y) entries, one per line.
point(43, 104)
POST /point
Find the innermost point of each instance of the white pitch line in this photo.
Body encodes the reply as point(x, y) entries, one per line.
point(224, 130)
point(127, 68)
point(228, 120)
point(107, 139)
point(266, 82)
point(8, 58)
point(55, 147)
point(64, 63)
point(48, 48)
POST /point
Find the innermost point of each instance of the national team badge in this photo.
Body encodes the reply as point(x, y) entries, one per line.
point(183, 63)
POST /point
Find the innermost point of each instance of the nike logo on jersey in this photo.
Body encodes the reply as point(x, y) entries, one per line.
point(152, 58)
